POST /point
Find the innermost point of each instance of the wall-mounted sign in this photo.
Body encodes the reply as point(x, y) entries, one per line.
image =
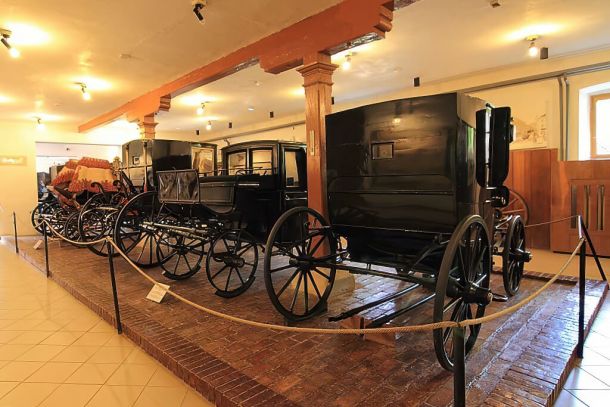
point(13, 159)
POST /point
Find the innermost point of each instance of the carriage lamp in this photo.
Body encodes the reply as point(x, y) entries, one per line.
point(208, 126)
point(39, 124)
point(5, 35)
point(201, 109)
point(347, 64)
point(533, 50)
point(84, 91)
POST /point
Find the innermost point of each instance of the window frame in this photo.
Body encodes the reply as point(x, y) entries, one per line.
point(592, 122)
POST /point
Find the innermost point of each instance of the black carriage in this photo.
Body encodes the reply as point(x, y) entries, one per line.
point(219, 219)
point(141, 160)
point(413, 186)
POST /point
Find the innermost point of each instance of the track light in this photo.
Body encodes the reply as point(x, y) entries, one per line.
point(208, 126)
point(39, 124)
point(347, 64)
point(5, 35)
point(533, 50)
point(201, 109)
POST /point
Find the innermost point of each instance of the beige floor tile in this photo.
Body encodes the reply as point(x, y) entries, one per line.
point(132, 374)
point(116, 396)
point(7, 336)
point(31, 337)
point(28, 394)
point(62, 338)
point(593, 398)
point(13, 351)
point(161, 397)
point(92, 373)
point(71, 395)
point(102, 326)
point(48, 325)
point(81, 325)
point(164, 378)
point(5, 387)
point(41, 353)
point(193, 399)
point(110, 354)
point(5, 322)
point(139, 356)
point(93, 339)
point(74, 353)
point(581, 379)
point(567, 399)
point(18, 371)
point(54, 372)
point(25, 324)
point(119, 340)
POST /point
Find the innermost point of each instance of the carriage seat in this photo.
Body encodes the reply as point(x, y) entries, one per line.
point(220, 193)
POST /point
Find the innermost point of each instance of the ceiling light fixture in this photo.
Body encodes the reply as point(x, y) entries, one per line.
point(39, 124)
point(347, 64)
point(6, 34)
point(198, 6)
point(201, 109)
point(83, 89)
point(251, 108)
point(533, 50)
point(208, 126)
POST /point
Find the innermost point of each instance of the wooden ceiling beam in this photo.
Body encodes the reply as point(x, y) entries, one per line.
point(333, 29)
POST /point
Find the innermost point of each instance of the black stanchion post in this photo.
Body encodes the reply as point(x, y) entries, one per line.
point(45, 235)
point(117, 312)
point(593, 251)
point(459, 368)
point(15, 227)
point(581, 299)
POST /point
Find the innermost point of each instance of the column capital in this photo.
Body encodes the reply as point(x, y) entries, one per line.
point(317, 72)
point(147, 125)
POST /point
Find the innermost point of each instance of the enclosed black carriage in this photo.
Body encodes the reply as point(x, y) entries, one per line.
point(218, 218)
point(413, 186)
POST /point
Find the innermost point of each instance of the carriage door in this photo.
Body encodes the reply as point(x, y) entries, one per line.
point(294, 174)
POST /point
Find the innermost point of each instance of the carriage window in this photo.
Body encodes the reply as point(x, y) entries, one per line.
point(381, 151)
point(236, 162)
point(262, 161)
point(292, 169)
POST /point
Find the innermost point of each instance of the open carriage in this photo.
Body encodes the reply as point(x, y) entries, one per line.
point(412, 188)
point(216, 219)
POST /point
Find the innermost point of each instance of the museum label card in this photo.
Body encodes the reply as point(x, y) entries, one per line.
point(157, 293)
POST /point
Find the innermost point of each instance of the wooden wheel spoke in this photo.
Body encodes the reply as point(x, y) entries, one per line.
point(451, 304)
point(219, 271)
point(327, 277)
point(239, 276)
point(315, 286)
point(305, 292)
point(316, 246)
point(281, 268)
point(228, 279)
point(279, 293)
point(296, 292)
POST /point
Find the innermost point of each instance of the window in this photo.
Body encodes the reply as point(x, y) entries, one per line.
point(291, 162)
point(382, 151)
point(600, 126)
point(262, 161)
point(236, 162)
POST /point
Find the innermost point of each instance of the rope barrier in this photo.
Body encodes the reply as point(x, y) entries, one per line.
point(552, 221)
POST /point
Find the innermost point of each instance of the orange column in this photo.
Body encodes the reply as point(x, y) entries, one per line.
point(147, 126)
point(317, 74)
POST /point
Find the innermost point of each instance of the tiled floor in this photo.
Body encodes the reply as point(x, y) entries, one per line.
point(54, 351)
point(589, 382)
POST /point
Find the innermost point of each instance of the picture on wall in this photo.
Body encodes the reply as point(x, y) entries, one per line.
point(203, 159)
point(534, 110)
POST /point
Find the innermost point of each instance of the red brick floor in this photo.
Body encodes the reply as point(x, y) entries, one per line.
point(520, 359)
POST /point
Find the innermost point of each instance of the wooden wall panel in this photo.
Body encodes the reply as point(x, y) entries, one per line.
point(530, 175)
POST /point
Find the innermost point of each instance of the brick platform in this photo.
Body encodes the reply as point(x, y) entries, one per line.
point(521, 359)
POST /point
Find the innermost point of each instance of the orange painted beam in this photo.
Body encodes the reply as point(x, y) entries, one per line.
point(328, 30)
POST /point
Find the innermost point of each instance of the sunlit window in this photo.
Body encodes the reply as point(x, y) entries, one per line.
point(600, 126)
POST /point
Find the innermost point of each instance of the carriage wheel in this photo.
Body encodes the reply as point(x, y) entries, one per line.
point(231, 262)
point(514, 256)
point(71, 229)
point(180, 257)
point(299, 242)
point(58, 218)
point(41, 212)
point(94, 224)
point(462, 286)
point(516, 206)
point(131, 233)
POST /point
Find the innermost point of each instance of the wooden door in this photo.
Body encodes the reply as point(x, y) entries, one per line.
point(581, 188)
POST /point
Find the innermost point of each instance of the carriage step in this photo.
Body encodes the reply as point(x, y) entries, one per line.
point(499, 297)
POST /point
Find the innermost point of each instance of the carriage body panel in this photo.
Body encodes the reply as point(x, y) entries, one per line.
point(401, 172)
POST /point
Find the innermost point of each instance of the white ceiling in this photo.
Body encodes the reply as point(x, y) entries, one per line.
point(82, 40)
point(432, 39)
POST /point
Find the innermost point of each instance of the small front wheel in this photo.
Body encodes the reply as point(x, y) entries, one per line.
point(514, 255)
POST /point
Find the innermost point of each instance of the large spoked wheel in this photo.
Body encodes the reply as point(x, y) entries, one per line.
point(95, 224)
point(462, 286)
point(134, 231)
point(514, 255)
point(231, 262)
point(41, 212)
point(58, 218)
point(71, 229)
point(516, 206)
point(180, 257)
point(300, 263)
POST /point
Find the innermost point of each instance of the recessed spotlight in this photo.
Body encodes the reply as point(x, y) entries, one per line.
point(347, 64)
point(84, 91)
point(201, 109)
point(257, 83)
point(4, 36)
point(208, 126)
point(533, 50)
point(251, 108)
point(39, 124)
